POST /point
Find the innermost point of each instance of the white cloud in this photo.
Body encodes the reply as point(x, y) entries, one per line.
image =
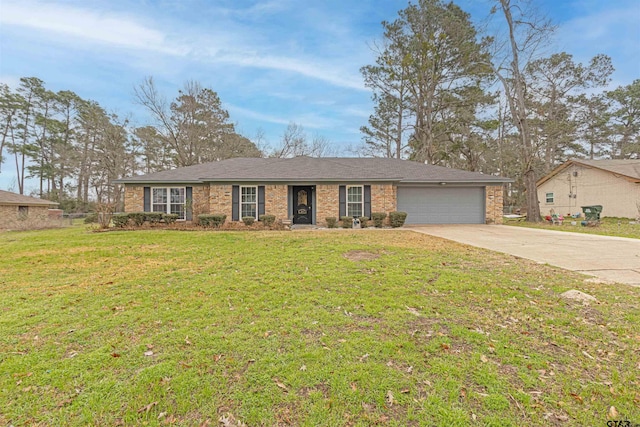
point(324, 72)
point(245, 112)
point(86, 25)
point(306, 120)
point(609, 28)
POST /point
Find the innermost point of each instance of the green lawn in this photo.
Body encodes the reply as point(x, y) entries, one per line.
point(619, 227)
point(335, 328)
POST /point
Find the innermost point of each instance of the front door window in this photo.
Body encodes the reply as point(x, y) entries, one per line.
point(302, 209)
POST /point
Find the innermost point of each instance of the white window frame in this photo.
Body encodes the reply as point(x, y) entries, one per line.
point(349, 204)
point(243, 203)
point(549, 198)
point(167, 203)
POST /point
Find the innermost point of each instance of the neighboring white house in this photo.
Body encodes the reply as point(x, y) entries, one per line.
point(614, 184)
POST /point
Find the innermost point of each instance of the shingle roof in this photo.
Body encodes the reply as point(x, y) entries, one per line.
point(9, 198)
point(314, 169)
point(629, 168)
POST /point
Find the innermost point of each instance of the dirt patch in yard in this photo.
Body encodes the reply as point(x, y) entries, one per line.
point(360, 255)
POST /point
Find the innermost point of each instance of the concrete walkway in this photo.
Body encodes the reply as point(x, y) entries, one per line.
point(612, 259)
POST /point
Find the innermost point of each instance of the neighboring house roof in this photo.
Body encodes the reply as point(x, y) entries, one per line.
point(9, 198)
point(314, 169)
point(629, 169)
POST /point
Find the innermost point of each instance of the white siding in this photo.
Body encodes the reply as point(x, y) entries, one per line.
point(616, 194)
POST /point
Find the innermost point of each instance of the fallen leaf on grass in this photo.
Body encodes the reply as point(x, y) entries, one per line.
point(588, 355)
point(444, 346)
point(22, 374)
point(484, 358)
point(64, 403)
point(413, 311)
point(148, 353)
point(390, 398)
point(115, 354)
point(184, 364)
point(229, 420)
point(364, 357)
point(404, 391)
point(281, 385)
point(147, 408)
point(576, 397)
point(463, 392)
point(613, 412)
point(186, 340)
point(217, 357)
point(303, 368)
point(354, 387)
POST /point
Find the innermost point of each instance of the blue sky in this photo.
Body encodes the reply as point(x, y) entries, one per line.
point(272, 62)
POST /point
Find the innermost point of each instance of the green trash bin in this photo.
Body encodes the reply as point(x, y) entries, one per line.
point(592, 213)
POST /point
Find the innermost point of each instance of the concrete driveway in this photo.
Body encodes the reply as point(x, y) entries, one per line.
point(612, 259)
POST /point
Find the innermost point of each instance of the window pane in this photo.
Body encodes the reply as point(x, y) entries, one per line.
point(159, 200)
point(178, 209)
point(354, 194)
point(248, 209)
point(354, 209)
point(249, 194)
point(177, 195)
point(159, 195)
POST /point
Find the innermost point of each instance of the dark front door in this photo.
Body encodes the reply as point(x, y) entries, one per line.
point(302, 209)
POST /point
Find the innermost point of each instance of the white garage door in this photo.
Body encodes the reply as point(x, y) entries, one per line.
point(442, 205)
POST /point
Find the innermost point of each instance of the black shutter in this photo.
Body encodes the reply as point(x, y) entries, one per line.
point(260, 201)
point(343, 201)
point(367, 201)
point(235, 203)
point(189, 206)
point(147, 199)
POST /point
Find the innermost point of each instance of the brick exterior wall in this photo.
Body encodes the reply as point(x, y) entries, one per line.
point(275, 201)
point(133, 198)
point(383, 199)
point(493, 204)
point(9, 217)
point(200, 202)
point(220, 199)
point(327, 202)
point(216, 198)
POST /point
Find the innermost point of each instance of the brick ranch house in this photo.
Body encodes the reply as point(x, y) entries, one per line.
point(17, 207)
point(307, 190)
